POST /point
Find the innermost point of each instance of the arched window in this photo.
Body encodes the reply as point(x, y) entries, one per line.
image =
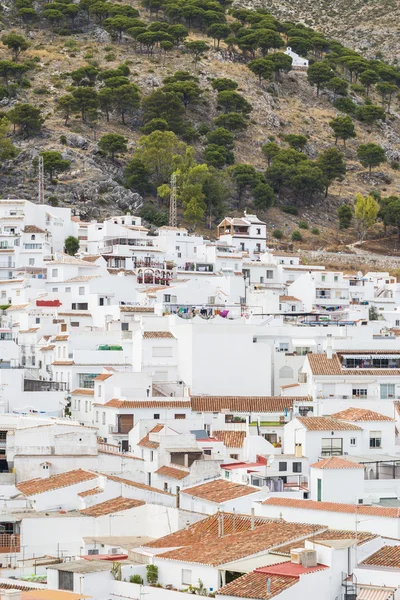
point(286, 373)
point(33, 237)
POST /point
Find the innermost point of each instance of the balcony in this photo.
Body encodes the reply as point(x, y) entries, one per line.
point(37, 385)
point(9, 543)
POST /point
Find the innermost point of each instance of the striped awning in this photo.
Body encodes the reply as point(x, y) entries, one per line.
point(370, 592)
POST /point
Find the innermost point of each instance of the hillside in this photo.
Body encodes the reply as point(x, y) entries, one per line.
point(96, 184)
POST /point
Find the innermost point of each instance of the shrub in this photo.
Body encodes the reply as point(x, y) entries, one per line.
point(315, 231)
point(303, 225)
point(278, 234)
point(296, 236)
point(395, 164)
point(63, 139)
point(136, 579)
point(152, 574)
point(290, 210)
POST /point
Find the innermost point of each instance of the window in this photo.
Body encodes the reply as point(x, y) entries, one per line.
point(286, 373)
point(332, 446)
point(207, 452)
point(258, 231)
point(293, 308)
point(397, 323)
point(353, 441)
point(31, 262)
point(387, 391)
point(319, 490)
point(323, 277)
point(18, 292)
point(54, 272)
point(74, 323)
point(227, 474)
point(66, 580)
point(336, 278)
point(101, 301)
point(297, 466)
point(284, 347)
point(162, 352)
point(156, 416)
point(167, 298)
point(33, 237)
point(151, 455)
point(54, 289)
point(124, 326)
point(187, 576)
point(165, 486)
point(359, 393)
point(179, 416)
point(67, 289)
point(3, 294)
point(103, 418)
point(269, 274)
point(82, 291)
point(177, 248)
point(282, 466)
point(97, 416)
point(211, 299)
point(234, 456)
point(258, 247)
point(375, 439)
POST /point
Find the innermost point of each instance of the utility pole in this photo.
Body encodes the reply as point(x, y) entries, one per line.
point(172, 203)
point(41, 181)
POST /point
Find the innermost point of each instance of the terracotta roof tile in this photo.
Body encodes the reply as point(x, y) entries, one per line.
point(111, 506)
point(361, 537)
point(158, 335)
point(374, 511)
point(92, 492)
point(326, 424)
point(247, 404)
point(220, 490)
point(17, 307)
point(231, 439)
point(320, 364)
point(47, 348)
point(59, 363)
point(103, 376)
point(387, 556)
point(288, 299)
point(91, 258)
point(227, 548)
point(146, 442)
point(33, 229)
point(148, 403)
point(54, 482)
point(167, 471)
point(66, 259)
point(360, 414)
point(60, 338)
point(136, 484)
point(254, 585)
point(81, 279)
point(336, 462)
point(83, 392)
point(31, 330)
point(74, 313)
point(207, 530)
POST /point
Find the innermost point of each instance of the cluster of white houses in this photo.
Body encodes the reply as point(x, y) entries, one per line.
point(184, 416)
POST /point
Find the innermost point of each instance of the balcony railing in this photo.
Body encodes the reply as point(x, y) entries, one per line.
point(37, 385)
point(9, 543)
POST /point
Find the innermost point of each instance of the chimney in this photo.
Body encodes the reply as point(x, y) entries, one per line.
point(11, 595)
point(45, 472)
point(329, 345)
point(252, 519)
point(187, 525)
point(268, 586)
point(298, 452)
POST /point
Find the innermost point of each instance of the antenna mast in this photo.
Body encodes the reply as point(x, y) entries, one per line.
point(41, 181)
point(172, 203)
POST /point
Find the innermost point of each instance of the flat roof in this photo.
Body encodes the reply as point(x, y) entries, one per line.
point(83, 566)
point(123, 541)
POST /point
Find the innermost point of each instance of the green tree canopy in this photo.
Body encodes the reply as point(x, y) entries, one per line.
point(343, 128)
point(366, 210)
point(16, 43)
point(53, 163)
point(28, 118)
point(331, 162)
point(71, 245)
point(371, 155)
point(112, 144)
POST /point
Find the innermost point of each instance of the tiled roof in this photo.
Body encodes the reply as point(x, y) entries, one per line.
point(91, 258)
point(136, 309)
point(47, 348)
point(220, 490)
point(136, 484)
point(92, 492)
point(288, 299)
point(320, 364)
point(254, 585)
point(66, 259)
point(227, 548)
point(32, 229)
point(60, 363)
point(17, 307)
point(60, 338)
point(387, 556)
point(111, 506)
point(167, 471)
point(158, 335)
point(207, 530)
point(81, 279)
point(331, 534)
point(30, 330)
point(83, 392)
point(74, 313)
point(146, 442)
point(262, 404)
point(360, 414)
point(103, 376)
point(336, 462)
point(148, 403)
point(231, 439)
point(54, 482)
point(374, 511)
point(326, 424)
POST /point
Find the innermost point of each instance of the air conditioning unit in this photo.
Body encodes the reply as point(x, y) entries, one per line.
point(114, 551)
